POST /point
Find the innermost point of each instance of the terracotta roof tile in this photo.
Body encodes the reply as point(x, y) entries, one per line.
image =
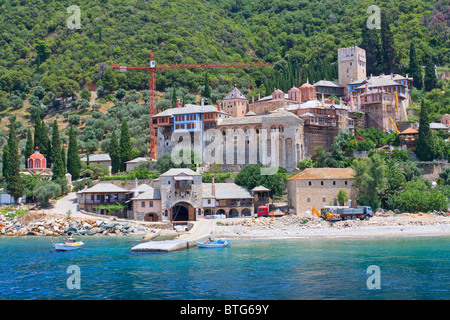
point(324, 174)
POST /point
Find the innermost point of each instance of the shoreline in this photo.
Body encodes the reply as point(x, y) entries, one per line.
point(282, 228)
point(376, 228)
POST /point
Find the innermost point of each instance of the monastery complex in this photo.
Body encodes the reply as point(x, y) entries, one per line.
point(305, 117)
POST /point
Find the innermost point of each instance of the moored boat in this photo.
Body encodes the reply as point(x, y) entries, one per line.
point(219, 243)
point(69, 244)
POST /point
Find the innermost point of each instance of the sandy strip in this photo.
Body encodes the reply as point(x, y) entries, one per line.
point(296, 227)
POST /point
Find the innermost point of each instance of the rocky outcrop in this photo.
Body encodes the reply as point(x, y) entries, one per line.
point(43, 225)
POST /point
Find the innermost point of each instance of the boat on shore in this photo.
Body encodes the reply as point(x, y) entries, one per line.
point(219, 243)
point(68, 244)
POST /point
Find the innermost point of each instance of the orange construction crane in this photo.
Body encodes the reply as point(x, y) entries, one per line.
point(152, 84)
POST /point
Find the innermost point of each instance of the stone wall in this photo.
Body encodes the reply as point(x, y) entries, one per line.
point(302, 197)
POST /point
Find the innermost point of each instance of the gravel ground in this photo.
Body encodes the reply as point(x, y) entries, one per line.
point(312, 227)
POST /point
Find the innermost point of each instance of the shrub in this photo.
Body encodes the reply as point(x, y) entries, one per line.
point(46, 190)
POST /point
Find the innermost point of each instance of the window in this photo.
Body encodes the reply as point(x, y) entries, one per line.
point(151, 204)
point(324, 200)
point(308, 200)
point(143, 204)
point(321, 183)
point(334, 183)
point(309, 183)
point(209, 201)
point(345, 182)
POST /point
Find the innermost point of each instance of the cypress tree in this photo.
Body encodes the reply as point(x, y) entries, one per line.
point(387, 40)
point(37, 129)
point(58, 164)
point(114, 154)
point(207, 91)
point(414, 69)
point(63, 158)
point(371, 43)
point(45, 144)
point(4, 160)
point(13, 179)
point(174, 97)
point(424, 148)
point(125, 146)
point(430, 80)
point(56, 143)
point(73, 160)
point(29, 149)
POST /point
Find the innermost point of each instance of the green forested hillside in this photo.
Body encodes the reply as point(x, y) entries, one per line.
point(44, 65)
point(298, 37)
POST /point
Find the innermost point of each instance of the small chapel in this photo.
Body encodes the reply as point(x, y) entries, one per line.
point(37, 164)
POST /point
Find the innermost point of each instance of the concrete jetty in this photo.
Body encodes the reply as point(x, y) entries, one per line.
point(199, 232)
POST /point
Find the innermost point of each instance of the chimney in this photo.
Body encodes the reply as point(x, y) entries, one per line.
point(259, 96)
point(323, 99)
point(332, 101)
point(366, 89)
point(218, 106)
point(85, 186)
point(213, 186)
point(178, 103)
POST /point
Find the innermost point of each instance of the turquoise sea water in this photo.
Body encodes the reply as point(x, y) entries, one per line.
point(410, 268)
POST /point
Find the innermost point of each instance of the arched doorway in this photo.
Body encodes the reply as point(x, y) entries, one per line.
point(246, 213)
point(233, 213)
point(183, 211)
point(151, 216)
point(221, 211)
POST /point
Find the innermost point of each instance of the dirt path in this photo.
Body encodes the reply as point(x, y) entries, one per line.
point(67, 203)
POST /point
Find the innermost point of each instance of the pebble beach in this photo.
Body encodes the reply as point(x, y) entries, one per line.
point(313, 227)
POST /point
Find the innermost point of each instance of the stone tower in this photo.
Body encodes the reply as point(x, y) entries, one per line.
point(235, 103)
point(352, 65)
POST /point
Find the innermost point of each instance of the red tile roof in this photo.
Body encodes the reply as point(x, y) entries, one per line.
point(324, 174)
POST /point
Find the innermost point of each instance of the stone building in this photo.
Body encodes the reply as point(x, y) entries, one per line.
point(146, 206)
point(318, 187)
point(279, 99)
point(102, 158)
point(249, 140)
point(351, 65)
point(328, 88)
point(323, 120)
point(103, 193)
point(179, 196)
point(235, 103)
point(130, 165)
point(229, 199)
point(188, 122)
point(383, 100)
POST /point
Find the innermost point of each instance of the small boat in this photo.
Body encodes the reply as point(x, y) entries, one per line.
point(219, 243)
point(69, 244)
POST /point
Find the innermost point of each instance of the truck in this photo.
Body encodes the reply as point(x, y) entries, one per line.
point(344, 213)
point(263, 211)
point(361, 212)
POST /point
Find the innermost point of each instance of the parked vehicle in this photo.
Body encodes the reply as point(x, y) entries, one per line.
point(263, 211)
point(343, 213)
